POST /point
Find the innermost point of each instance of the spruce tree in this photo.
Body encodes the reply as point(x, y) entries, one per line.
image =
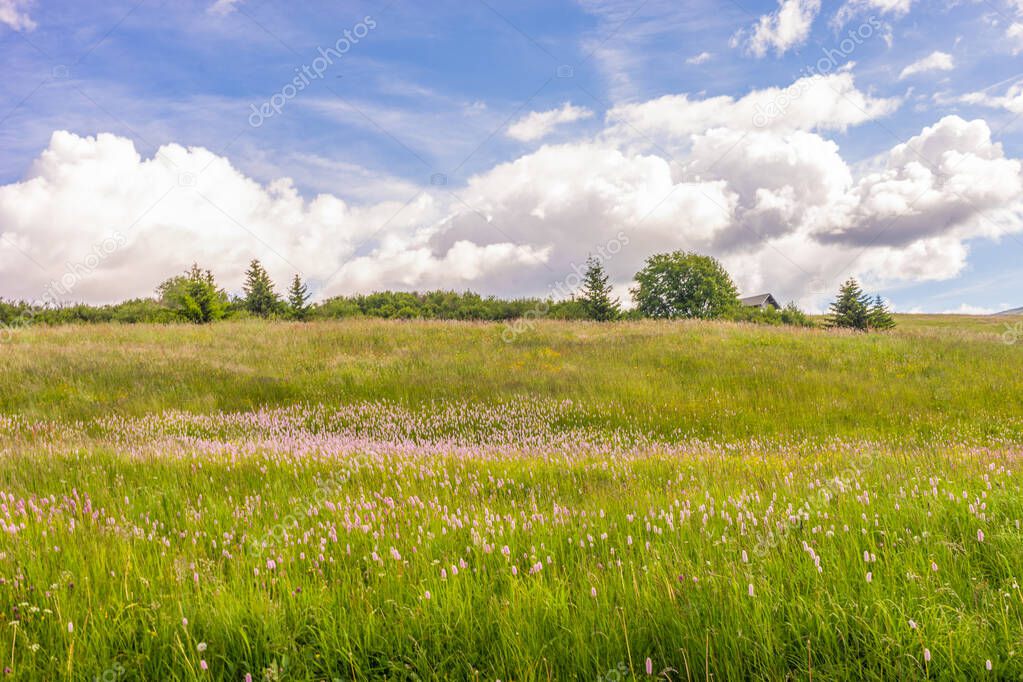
point(298, 294)
point(260, 298)
point(852, 309)
point(880, 317)
point(596, 293)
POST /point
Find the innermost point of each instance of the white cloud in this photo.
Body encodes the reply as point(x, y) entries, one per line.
point(1014, 34)
point(787, 28)
point(14, 13)
point(539, 124)
point(778, 204)
point(936, 61)
point(701, 58)
point(223, 7)
point(82, 191)
point(967, 309)
point(1011, 101)
point(830, 102)
point(852, 8)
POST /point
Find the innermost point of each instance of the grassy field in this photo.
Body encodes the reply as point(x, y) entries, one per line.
point(425, 501)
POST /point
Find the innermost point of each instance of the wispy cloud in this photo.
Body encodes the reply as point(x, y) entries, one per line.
point(896, 8)
point(787, 28)
point(14, 13)
point(936, 61)
point(539, 124)
point(223, 7)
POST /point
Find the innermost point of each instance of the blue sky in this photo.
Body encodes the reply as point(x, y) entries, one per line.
point(412, 135)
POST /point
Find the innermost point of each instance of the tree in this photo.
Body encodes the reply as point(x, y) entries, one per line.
point(298, 295)
point(880, 317)
point(684, 284)
point(194, 296)
point(852, 308)
point(260, 297)
point(596, 293)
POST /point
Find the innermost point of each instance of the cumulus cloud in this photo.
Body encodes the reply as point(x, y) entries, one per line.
point(936, 61)
point(186, 205)
point(14, 13)
point(782, 30)
point(701, 58)
point(821, 102)
point(777, 203)
point(540, 124)
point(951, 180)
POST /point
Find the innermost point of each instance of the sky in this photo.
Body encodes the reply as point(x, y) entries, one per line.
point(495, 145)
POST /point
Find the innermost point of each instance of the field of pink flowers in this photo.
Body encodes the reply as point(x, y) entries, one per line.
point(521, 539)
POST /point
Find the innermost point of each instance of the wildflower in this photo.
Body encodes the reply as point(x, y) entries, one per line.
point(934, 566)
point(912, 624)
point(515, 570)
point(745, 557)
point(593, 592)
point(870, 577)
point(649, 666)
point(202, 664)
point(201, 647)
point(980, 536)
point(426, 596)
point(184, 622)
point(70, 627)
point(987, 664)
point(248, 677)
point(927, 655)
point(751, 589)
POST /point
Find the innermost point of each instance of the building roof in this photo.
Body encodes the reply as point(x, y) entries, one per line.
point(759, 301)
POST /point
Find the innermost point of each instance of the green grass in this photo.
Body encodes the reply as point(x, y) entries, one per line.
point(656, 471)
point(705, 380)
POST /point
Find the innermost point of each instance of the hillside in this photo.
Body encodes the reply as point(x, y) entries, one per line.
point(934, 375)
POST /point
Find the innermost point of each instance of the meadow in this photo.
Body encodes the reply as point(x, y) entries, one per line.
point(422, 500)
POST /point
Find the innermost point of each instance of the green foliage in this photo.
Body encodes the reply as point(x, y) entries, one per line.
point(298, 296)
point(684, 285)
point(260, 297)
point(194, 296)
point(851, 310)
point(437, 305)
point(596, 296)
point(790, 315)
point(880, 317)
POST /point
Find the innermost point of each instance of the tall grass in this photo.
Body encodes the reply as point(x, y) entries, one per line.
point(694, 379)
point(424, 501)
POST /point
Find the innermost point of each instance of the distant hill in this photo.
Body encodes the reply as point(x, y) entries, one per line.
point(1014, 311)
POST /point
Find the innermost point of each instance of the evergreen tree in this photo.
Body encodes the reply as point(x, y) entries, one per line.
point(880, 317)
point(596, 293)
point(852, 309)
point(298, 295)
point(260, 298)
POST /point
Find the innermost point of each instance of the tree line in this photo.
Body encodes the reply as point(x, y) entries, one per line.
point(674, 285)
